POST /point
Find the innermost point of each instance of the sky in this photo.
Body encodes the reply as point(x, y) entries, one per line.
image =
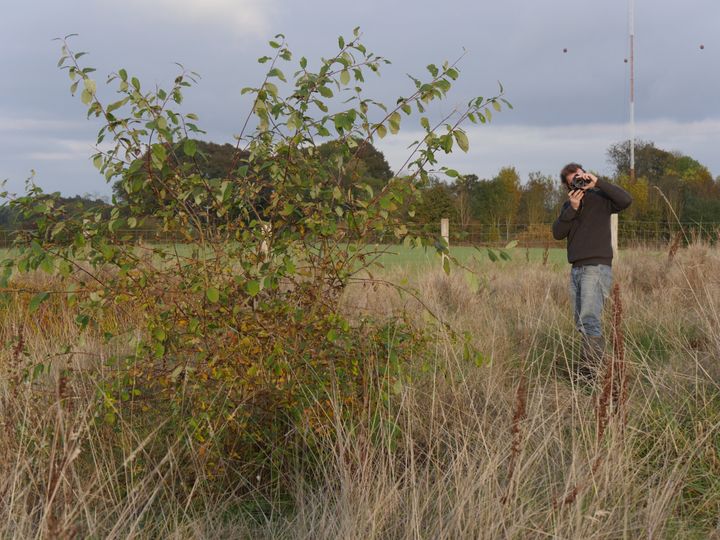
point(568, 106)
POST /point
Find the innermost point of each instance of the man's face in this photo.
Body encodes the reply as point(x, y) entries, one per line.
point(569, 177)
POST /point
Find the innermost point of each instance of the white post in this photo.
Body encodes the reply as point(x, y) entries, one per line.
point(614, 235)
point(445, 233)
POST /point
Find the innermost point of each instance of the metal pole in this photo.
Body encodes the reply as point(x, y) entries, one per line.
point(632, 90)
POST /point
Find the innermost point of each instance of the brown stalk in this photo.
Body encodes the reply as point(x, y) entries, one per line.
point(515, 430)
point(674, 246)
point(620, 368)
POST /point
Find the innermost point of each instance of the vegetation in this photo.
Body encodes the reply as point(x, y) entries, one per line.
point(439, 464)
point(269, 379)
point(236, 347)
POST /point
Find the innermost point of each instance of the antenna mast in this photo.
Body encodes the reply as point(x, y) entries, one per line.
point(632, 90)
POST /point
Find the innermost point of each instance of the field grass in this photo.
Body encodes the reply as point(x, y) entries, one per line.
point(425, 259)
point(502, 444)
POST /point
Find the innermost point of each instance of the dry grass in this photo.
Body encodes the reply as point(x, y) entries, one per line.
point(473, 452)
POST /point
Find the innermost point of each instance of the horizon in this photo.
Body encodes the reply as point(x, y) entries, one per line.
point(556, 118)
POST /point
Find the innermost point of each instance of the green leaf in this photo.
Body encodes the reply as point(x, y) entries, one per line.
point(394, 122)
point(90, 86)
point(461, 139)
point(491, 255)
point(37, 300)
point(252, 287)
point(47, 265)
point(213, 295)
point(511, 244)
point(381, 130)
point(189, 147)
point(344, 76)
point(341, 42)
point(446, 264)
point(85, 97)
point(425, 123)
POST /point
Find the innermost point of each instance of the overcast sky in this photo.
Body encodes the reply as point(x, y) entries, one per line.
point(567, 106)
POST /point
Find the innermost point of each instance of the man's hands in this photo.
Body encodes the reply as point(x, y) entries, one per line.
point(575, 197)
point(589, 176)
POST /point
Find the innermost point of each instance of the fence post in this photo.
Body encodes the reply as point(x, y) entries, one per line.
point(614, 235)
point(445, 233)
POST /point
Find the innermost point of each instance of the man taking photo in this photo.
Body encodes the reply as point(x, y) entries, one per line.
point(585, 221)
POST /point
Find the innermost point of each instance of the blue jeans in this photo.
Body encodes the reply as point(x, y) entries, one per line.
point(589, 287)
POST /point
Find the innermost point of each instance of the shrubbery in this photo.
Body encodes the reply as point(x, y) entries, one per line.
point(240, 343)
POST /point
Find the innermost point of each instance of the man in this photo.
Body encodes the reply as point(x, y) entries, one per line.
point(585, 221)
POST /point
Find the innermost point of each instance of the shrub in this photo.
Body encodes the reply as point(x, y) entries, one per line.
point(239, 341)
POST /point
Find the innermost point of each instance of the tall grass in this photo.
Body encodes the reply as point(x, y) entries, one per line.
point(481, 447)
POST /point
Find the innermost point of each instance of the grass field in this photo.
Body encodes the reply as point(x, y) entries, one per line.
point(504, 444)
point(425, 259)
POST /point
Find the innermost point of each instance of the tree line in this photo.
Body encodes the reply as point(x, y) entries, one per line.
point(668, 186)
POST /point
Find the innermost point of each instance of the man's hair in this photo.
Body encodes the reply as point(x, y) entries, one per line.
point(568, 169)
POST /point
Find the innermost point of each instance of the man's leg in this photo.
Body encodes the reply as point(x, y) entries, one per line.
point(579, 367)
point(575, 296)
point(594, 287)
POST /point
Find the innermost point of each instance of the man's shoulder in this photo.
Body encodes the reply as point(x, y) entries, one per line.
point(599, 193)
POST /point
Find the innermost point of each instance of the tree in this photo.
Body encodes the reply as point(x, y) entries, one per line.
point(537, 199)
point(367, 165)
point(650, 162)
point(509, 196)
point(463, 190)
point(436, 202)
point(668, 184)
point(243, 342)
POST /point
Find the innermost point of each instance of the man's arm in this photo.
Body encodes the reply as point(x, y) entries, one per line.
point(561, 227)
point(619, 198)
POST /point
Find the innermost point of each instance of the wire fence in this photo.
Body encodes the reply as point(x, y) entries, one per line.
point(630, 234)
point(649, 234)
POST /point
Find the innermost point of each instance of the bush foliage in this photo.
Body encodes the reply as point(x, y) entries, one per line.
point(241, 342)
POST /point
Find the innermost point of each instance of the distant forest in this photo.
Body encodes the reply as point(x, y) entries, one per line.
point(503, 201)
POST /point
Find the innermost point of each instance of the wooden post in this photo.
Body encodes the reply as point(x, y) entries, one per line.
point(614, 235)
point(445, 233)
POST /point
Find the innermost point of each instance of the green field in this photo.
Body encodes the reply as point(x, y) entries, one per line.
point(419, 258)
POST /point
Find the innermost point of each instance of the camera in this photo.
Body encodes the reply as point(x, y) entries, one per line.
point(578, 182)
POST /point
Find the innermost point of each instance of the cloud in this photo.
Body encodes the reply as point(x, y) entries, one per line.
point(548, 148)
point(250, 16)
point(10, 124)
point(63, 149)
